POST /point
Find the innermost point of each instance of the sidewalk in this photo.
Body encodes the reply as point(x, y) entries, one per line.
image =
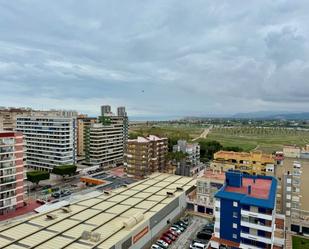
point(21, 211)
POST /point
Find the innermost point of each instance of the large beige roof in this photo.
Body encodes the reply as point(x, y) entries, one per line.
point(104, 214)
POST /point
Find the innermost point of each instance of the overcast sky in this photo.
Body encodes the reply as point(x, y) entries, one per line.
point(157, 57)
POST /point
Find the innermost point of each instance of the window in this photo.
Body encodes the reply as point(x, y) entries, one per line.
point(235, 204)
point(217, 209)
point(234, 236)
point(235, 225)
point(235, 215)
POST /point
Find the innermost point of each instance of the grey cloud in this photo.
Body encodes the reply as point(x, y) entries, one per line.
point(166, 56)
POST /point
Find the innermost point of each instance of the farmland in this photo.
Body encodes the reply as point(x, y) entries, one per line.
point(248, 138)
point(265, 139)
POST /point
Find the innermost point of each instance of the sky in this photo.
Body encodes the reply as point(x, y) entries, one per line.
point(156, 57)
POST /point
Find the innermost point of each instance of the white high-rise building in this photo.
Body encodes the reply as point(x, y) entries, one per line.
point(50, 139)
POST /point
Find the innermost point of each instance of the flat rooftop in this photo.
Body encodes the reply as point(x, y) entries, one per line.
point(104, 214)
point(249, 190)
point(260, 188)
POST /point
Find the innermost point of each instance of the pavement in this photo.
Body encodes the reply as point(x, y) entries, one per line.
point(29, 209)
point(185, 238)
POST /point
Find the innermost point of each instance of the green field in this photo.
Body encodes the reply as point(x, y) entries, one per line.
point(300, 242)
point(265, 139)
point(245, 137)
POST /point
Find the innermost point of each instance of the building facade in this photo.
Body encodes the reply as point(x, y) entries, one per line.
point(292, 151)
point(245, 213)
point(11, 171)
point(8, 117)
point(255, 162)
point(105, 139)
point(146, 155)
point(83, 122)
point(50, 140)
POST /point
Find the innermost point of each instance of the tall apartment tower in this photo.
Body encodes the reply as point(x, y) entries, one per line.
point(245, 213)
point(291, 190)
point(145, 155)
point(121, 111)
point(11, 171)
point(105, 109)
point(83, 122)
point(50, 139)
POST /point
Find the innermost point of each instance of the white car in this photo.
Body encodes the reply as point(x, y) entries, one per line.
point(154, 246)
point(175, 230)
point(198, 245)
point(162, 243)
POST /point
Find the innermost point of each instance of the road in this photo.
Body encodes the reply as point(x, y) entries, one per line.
point(185, 238)
point(203, 134)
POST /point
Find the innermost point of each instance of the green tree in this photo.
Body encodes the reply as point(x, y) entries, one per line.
point(64, 170)
point(233, 148)
point(208, 148)
point(177, 156)
point(36, 176)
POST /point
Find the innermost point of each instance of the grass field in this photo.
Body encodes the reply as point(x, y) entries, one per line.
point(248, 138)
point(265, 139)
point(300, 242)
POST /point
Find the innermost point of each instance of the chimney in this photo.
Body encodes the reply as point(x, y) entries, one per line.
point(249, 190)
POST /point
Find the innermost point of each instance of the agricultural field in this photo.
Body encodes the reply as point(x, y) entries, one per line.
point(246, 137)
point(265, 139)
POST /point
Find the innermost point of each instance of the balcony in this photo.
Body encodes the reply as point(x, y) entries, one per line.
point(256, 226)
point(256, 215)
point(256, 238)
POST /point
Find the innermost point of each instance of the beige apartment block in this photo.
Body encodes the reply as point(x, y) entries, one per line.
point(146, 155)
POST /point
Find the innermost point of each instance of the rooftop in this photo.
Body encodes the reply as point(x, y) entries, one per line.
point(213, 175)
point(258, 190)
point(105, 214)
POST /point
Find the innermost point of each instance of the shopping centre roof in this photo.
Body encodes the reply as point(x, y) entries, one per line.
point(104, 215)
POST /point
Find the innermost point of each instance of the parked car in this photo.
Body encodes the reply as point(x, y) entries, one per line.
point(180, 223)
point(198, 245)
point(170, 236)
point(64, 193)
point(179, 227)
point(195, 241)
point(185, 220)
point(40, 201)
point(174, 233)
point(204, 235)
point(162, 243)
point(176, 230)
point(47, 187)
point(55, 194)
point(166, 239)
point(154, 246)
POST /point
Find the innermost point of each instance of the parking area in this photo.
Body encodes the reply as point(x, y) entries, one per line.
point(188, 232)
point(186, 238)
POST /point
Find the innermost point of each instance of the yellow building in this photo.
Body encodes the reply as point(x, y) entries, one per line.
point(254, 162)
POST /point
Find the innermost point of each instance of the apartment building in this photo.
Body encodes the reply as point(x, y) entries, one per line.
point(206, 187)
point(8, 117)
point(245, 213)
point(11, 171)
point(104, 145)
point(50, 139)
point(254, 162)
point(292, 151)
point(83, 122)
point(105, 138)
point(291, 190)
point(145, 155)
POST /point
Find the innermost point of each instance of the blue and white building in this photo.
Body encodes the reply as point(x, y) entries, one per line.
point(245, 213)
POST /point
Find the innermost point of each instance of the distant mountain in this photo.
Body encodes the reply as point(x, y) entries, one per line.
point(272, 115)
